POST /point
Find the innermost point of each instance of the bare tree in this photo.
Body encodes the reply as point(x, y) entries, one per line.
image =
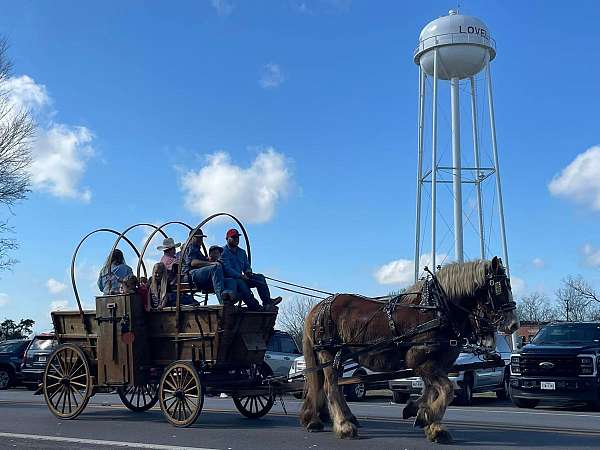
point(535, 307)
point(292, 315)
point(579, 285)
point(16, 133)
point(572, 302)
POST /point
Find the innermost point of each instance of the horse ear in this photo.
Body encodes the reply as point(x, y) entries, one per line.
point(495, 264)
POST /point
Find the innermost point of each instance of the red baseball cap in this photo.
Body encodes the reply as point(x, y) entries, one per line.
point(232, 232)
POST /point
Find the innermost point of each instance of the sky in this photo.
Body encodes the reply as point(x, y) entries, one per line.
point(300, 118)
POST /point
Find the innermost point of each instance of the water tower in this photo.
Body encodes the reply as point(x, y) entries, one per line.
point(455, 48)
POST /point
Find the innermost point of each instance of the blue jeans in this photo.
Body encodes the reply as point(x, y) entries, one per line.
point(256, 280)
point(209, 278)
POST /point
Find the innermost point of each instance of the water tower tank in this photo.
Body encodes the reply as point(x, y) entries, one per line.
point(463, 42)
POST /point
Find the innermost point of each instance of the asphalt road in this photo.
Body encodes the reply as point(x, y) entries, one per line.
point(25, 422)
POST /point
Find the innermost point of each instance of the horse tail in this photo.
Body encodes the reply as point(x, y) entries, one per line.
point(314, 396)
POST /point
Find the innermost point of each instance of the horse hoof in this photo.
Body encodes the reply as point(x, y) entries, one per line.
point(443, 437)
point(346, 430)
point(436, 433)
point(314, 427)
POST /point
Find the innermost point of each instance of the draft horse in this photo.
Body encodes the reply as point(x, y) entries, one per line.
point(418, 330)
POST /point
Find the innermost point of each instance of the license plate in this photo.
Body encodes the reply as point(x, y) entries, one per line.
point(548, 385)
point(417, 384)
point(41, 358)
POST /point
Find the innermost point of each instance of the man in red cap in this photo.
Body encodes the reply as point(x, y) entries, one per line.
point(236, 265)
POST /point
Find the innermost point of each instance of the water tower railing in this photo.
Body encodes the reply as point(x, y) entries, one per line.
point(454, 38)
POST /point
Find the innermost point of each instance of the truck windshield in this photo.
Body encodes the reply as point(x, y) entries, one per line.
point(568, 334)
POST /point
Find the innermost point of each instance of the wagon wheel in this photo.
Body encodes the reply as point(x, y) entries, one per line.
point(139, 398)
point(67, 381)
point(256, 406)
point(181, 394)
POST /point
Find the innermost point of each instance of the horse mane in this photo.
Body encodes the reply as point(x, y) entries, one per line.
point(459, 280)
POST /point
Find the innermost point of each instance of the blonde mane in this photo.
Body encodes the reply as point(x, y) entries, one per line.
point(459, 280)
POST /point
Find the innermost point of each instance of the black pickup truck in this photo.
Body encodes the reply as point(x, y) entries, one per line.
point(561, 363)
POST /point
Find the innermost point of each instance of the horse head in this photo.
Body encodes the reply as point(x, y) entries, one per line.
point(499, 301)
point(483, 288)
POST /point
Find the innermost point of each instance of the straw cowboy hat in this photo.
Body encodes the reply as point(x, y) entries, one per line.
point(168, 243)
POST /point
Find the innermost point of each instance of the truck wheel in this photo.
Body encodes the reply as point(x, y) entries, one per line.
point(525, 402)
point(503, 393)
point(465, 395)
point(356, 392)
point(400, 397)
point(6, 378)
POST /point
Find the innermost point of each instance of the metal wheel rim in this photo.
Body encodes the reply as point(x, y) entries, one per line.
point(67, 382)
point(254, 405)
point(139, 398)
point(4, 379)
point(181, 396)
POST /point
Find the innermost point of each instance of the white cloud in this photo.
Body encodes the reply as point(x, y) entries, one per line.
point(271, 76)
point(538, 263)
point(580, 180)
point(60, 156)
point(24, 93)
point(54, 286)
point(59, 305)
point(591, 255)
point(60, 152)
point(401, 272)
point(3, 300)
point(222, 7)
point(250, 193)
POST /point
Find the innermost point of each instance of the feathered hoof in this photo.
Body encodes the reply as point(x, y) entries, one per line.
point(438, 434)
point(346, 430)
point(354, 420)
point(315, 427)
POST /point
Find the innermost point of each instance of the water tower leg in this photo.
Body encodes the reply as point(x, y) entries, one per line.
point(421, 121)
point(477, 171)
point(514, 336)
point(497, 169)
point(434, 159)
point(456, 172)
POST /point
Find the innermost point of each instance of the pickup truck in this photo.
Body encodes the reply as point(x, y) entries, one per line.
point(560, 364)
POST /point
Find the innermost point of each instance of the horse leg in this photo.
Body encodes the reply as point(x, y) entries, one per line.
point(314, 399)
point(342, 425)
point(424, 413)
point(435, 431)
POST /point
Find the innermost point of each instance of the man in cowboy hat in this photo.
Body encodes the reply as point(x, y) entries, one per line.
point(236, 265)
point(201, 272)
point(169, 256)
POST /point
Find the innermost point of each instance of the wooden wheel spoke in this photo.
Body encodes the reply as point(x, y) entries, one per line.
point(54, 376)
point(83, 386)
point(75, 397)
point(83, 375)
point(58, 371)
point(246, 400)
point(173, 386)
point(74, 369)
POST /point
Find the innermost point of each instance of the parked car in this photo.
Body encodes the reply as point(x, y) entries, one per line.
point(35, 359)
point(281, 353)
point(11, 361)
point(353, 392)
point(562, 363)
point(466, 382)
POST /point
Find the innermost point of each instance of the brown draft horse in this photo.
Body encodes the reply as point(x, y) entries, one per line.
point(478, 288)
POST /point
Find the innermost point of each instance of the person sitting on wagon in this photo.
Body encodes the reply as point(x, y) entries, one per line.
point(236, 265)
point(169, 257)
point(199, 271)
point(214, 255)
point(162, 290)
point(113, 273)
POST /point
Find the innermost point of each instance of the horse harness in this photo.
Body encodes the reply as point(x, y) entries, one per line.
point(433, 298)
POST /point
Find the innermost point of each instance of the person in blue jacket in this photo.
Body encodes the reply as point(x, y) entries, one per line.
point(236, 265)
point(112, 274)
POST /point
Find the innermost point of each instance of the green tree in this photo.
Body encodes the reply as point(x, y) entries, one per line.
point(9, 329)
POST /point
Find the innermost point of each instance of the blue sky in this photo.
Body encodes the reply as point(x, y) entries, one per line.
point(300, 116)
